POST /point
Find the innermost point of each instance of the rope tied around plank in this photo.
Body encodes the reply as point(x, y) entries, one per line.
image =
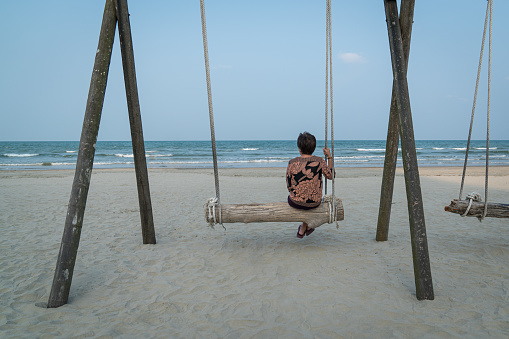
point(471, 197)
point(330, 200)
point(212, 205)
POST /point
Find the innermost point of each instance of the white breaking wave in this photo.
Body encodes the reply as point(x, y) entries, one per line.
point(361, 157)
point(159, 155)
point(250, 149)
point(14, 155)
point(147, 155)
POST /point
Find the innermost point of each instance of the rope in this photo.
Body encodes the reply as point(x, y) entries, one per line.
point(472, 197)
point(211, 112)
point(488, 16)
point(331, 97)
point(327, 76)
point(330, 199)
point(211, 211)
point(331, 203)
point(490, 4)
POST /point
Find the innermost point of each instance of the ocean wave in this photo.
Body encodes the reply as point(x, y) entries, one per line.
point(370, 149)
point(354, 160)
point(438, 148)
point(439, 159)
point(198, 162)
point(70, 151)
point(361, 157)
point(120, 155)
point(158, 155)
point(250, 149)
point(251, 161)
point(25, 155)
point(107, 163)
point(40, 164)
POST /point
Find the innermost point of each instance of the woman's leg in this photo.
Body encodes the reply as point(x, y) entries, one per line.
point(303, 228)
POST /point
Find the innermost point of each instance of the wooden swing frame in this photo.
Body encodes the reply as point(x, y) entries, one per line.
point(116, 11)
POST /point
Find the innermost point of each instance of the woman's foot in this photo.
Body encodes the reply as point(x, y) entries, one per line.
point(309, 231)
point(299, 234)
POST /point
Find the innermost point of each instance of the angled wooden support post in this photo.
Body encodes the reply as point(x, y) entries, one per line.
point(133, 105)
point(391, 149)
point(422, 269)
point(59, 293)
point(74, 220)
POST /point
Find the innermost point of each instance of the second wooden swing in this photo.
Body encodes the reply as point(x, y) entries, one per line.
point(331, 210)
point(472, 205)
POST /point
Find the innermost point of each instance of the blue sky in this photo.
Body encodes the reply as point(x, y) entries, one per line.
point(267, 68)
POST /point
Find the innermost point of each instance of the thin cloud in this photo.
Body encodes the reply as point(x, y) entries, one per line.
point(351, 58)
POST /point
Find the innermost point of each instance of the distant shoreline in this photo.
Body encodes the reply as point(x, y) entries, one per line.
point(498, 170)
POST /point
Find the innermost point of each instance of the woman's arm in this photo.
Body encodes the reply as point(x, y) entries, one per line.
point(330, 162)
point(326, 152)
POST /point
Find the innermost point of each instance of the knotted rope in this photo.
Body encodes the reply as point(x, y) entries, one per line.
point(471, 197)
point(331, 203)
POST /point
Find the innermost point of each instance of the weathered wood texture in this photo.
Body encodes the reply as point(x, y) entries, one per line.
point(277, 212)
point(76, 209)
point(422, 269)
point(495, 210)
point(133, 105)
point(391, 149)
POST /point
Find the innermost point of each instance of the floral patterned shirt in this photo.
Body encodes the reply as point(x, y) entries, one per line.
point(304, 180)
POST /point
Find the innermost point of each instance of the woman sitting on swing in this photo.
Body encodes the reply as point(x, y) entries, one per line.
point(304, 178)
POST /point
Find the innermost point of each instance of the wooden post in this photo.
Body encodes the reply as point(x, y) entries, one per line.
point(133, 105)
point(422, 270)
point(391, 149)
point(74, 220)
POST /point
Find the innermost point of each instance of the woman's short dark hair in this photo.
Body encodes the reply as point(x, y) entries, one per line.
point(306, 143)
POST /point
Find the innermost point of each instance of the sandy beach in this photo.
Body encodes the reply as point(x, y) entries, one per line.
point(250, 280)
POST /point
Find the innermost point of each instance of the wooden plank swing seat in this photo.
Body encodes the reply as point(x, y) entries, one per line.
point(495, 210)
point(274, 212)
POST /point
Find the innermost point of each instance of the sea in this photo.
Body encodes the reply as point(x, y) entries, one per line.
point(46, 155)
